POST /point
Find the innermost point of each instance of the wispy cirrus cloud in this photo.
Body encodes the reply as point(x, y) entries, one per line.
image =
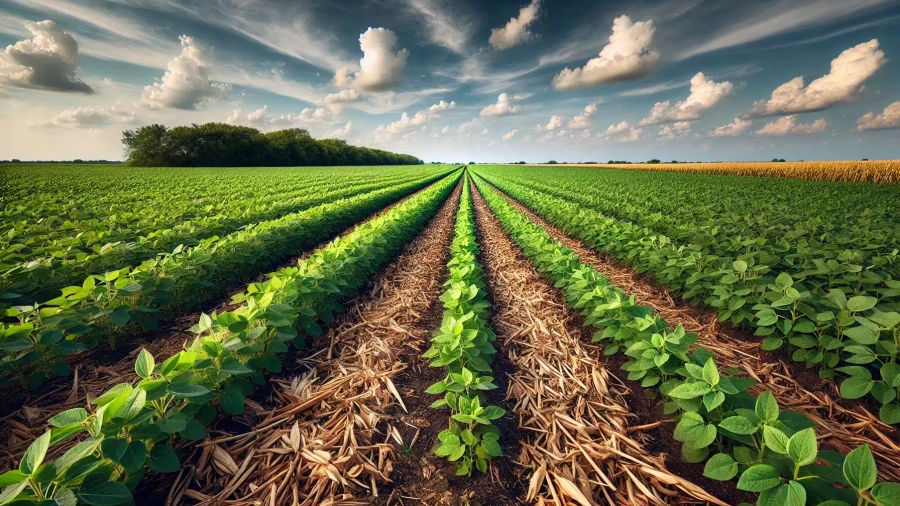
point(754, 22)
point(446, 26)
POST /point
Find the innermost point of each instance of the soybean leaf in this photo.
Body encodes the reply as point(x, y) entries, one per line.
point(758, 478)
point(802, 447)
point(34, 455)
point(720, 467)
point(859, 468)
point(163, 460)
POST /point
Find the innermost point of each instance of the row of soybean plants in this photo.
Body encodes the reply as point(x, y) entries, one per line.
point(463, 347)
point(771, 452)
point(131, 428)
point(34, 340)
point(41, 254)
point(832, 311)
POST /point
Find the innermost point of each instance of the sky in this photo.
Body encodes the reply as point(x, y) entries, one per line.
point(462, 80)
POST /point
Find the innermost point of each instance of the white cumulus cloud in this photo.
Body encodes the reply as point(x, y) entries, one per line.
point(620, 127)
point(674, 131)
point(260, 118)
point(342, 97)
point(186, 83)
point(407, 122)
point(468, 125)
point(888, 119)
point(510, 135)
point(848, 71)
point(633, 135)
point(381, 67)
point(730, 130)
point(705, 93)
point(788, 125)
point(628, 56)
point(516, 30)
point(554, 123)
point(341, 133)
point(90, 117)
point(583, 120)
point(46, 61)
point(503, 107)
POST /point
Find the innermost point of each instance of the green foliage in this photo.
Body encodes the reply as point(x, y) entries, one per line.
point(116, 304)
point(463, 347)
point(130, 428)
point(772, 452)
point(790, 270)
point(224, 145)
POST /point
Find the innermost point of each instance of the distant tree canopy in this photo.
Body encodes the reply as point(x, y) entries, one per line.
point(224, 145)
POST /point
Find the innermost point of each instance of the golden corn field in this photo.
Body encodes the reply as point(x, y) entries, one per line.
point(876, 171)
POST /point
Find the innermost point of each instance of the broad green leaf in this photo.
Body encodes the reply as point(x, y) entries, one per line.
point(69, 417)
point(144, 364)
point(758, 478)
point(888, 494)
point(776, 440)
point(859, 468)
point(711, 373)
point(689, 390)
point(720, 467)
point(34, 455)
point(803, 448)
point(163, 460)
point(110, 493)
point(767, 407)
point(738, 425)
point(855, 387)
point(861, 303)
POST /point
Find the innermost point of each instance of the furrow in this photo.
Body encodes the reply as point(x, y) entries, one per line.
point(324, 436)
point(576, 422)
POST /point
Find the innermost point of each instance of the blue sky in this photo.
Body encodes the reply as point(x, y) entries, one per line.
point(461, 80)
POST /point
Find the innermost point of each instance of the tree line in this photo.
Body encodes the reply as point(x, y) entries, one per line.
point(224, 145)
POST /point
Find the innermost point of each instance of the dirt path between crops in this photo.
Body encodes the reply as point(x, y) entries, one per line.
point(99, 369)
point(844, 424)
point(580, 443)
point(340, 434)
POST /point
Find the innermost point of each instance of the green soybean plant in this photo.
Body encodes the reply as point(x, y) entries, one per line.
point(463, 347)
point(771, 452)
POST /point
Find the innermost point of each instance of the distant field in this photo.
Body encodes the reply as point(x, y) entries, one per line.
point(877, 171)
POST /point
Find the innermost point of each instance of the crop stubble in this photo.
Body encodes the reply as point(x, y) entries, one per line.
point(574, 414)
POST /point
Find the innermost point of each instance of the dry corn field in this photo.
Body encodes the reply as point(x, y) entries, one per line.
point(875, 171)
point(452, 335)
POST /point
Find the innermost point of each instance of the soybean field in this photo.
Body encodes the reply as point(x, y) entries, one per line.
point(449, 335)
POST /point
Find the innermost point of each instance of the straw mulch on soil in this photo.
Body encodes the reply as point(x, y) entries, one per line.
point(574, 418)
point(325, 439)
point(843, 424)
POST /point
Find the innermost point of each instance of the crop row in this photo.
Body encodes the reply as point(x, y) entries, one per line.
point(771, 452)
point(132, 427)
point(41, 257)
point(119, 303)
point(463, 347)
point(96, 192)
point(843, 320)
point(784, 224)
point(877, 171)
